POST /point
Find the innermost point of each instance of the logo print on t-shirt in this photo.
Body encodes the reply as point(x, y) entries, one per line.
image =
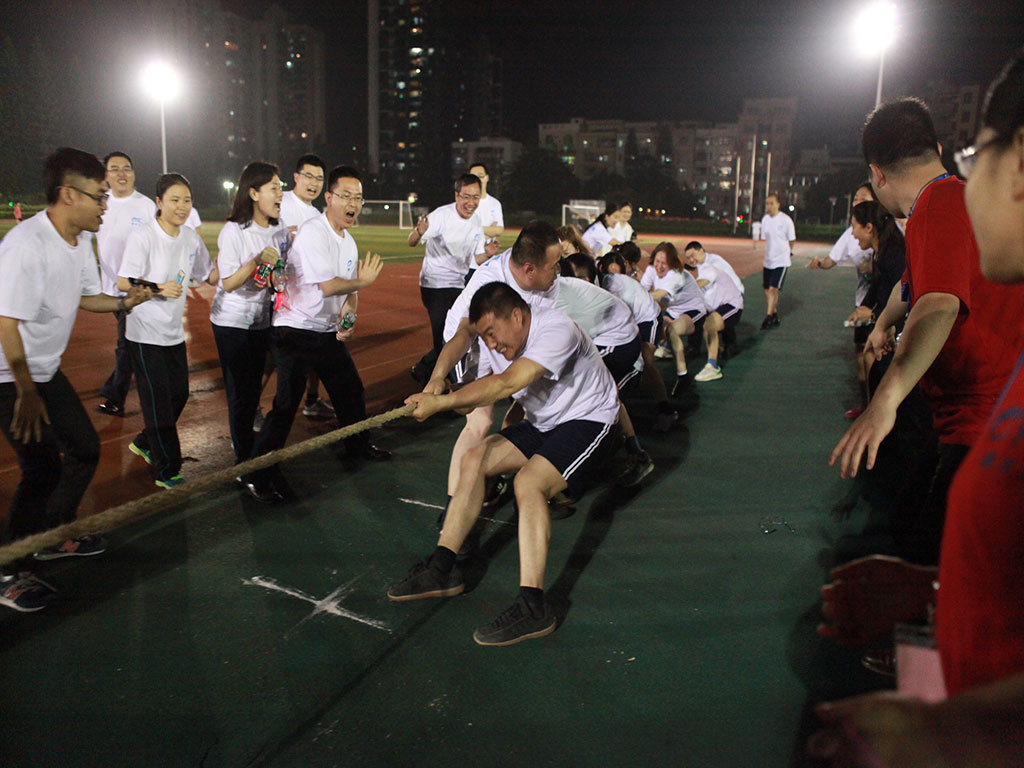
point(136, 220)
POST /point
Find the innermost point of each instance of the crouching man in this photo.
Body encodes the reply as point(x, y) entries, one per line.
point(552, 369)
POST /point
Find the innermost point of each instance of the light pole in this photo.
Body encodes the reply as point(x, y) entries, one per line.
point(874, 31)
point(161, 82)
point(228, 186)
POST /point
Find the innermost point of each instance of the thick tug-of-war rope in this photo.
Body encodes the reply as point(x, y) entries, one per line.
point(134, 510)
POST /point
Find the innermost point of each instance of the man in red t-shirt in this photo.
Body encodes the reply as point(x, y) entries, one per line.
point(958, 341)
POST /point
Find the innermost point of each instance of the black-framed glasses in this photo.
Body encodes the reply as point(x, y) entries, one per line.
point(98, 199)
point(311, 177)
point(346, 196)
point(468, 198)
point(967, 157)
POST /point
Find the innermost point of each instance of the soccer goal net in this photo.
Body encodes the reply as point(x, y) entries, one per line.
point(388, 213)
point(581, 213)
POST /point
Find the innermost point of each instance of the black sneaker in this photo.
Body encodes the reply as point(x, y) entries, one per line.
point(517, 623)
point(682, 384)
point(111, 408)
point(24, 592)
point(499, 493)
point(80, 546)
point(424, 581)
point(775, 321)
point(766, 323)
point(641, 467)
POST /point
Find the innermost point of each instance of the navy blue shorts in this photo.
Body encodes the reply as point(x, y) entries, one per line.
point(773, 278)
point(649, 331)
point(730, 315)
point(621, 361)
point(577, 449)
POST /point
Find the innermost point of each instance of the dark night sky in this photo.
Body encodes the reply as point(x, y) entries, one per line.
point(651, 60)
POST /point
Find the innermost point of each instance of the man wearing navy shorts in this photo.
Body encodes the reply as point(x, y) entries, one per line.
point(778, 233)
point(544, 361)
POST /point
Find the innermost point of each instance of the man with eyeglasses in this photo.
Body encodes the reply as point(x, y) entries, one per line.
point(126, 208)
point(454, 239)
point(309, 333)
point(962, 331)
point(296, 209)
point(49, 273)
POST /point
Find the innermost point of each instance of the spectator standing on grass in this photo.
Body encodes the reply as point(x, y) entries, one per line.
point(17, 213)
point(127, 208)
point(49, 274)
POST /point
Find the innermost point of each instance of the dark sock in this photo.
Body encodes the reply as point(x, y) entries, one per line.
point(534, 599)
point(442, 560)
point(633, 445)
point(443, 514)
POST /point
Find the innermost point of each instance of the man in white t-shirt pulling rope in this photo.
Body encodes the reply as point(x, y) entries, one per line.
point(543, 360)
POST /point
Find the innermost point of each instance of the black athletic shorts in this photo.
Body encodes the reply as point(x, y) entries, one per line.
point(649, 331)
point(730, 315)
point(577, 449)
point(621, 361)
point(773, 278)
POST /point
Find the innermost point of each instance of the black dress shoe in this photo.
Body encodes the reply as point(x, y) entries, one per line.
point(111, 408)
point(370, 452)
point(259, 490)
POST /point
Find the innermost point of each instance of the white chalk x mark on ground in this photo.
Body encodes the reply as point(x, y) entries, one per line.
point(330, 605)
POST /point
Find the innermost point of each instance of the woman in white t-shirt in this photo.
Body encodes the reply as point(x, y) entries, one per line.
point(623, 231)
point(253, 237)
point(164, 253)
point(679, 295)
point(598, 236)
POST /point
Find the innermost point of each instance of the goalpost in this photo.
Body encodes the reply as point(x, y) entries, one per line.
point(389, 213)
point(581, 213)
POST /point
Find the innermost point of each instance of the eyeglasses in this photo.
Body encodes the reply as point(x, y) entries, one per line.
point(468, 198)
point(967, 157)
point(98, 199)
point(347, 197)
point(311, 177)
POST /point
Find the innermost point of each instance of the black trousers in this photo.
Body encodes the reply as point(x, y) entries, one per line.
point(116, 387)
point(56, 470)
point(298, 353)
point(162, 377)
point(243, 355)
point(437, 302)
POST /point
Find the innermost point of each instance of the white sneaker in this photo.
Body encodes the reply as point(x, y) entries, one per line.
point(663, 353)
point(708, 373)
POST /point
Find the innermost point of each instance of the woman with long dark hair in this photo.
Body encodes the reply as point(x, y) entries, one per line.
point(252, 241)
point(163, 253)
point(598, 237)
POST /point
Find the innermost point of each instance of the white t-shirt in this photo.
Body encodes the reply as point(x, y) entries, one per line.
point(644, 308)
point(622, 231)
point(684, 295)
point(489, 212)
point(598, 239)
point(123, 213)
point(724, 266)
point(602, 316)
point(576, 385)
point(777, 232)
point(848, 249)
point(719, 289)
point(151, 254)
point(294, 211)
point(452, 244)
point(44, 278)
point(248, 306)
point(193, 219)
point(318, 254)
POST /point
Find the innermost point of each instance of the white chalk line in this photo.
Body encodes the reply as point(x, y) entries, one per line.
point(439, 506)
point(330, 605)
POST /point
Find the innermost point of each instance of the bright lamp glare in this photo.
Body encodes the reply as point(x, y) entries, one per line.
point(160, 81)
point(229, 185)
point(874, 29)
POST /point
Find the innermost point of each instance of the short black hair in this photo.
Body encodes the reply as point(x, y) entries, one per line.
point(118, 153)
point(68, 161)
point(899, 134)
point(166, 181)
point(342, 172)
point(693, 245)
point(533, 242)
point(498, 299)
point(612, 257)
point(479, 165)
point(309, 160)
point(578, 261)
point(466, 180)
point(629, 250)
point(1003, 111)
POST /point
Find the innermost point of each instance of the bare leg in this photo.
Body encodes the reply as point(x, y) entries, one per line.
point(654, 381)
point(677, 329)
point(478, 426)
point(712, 326)
point(771, 297)
point(535, 483)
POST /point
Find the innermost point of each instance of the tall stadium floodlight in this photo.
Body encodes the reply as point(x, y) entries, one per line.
point(228, 186)
point(161, 82)
point(874, 31)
